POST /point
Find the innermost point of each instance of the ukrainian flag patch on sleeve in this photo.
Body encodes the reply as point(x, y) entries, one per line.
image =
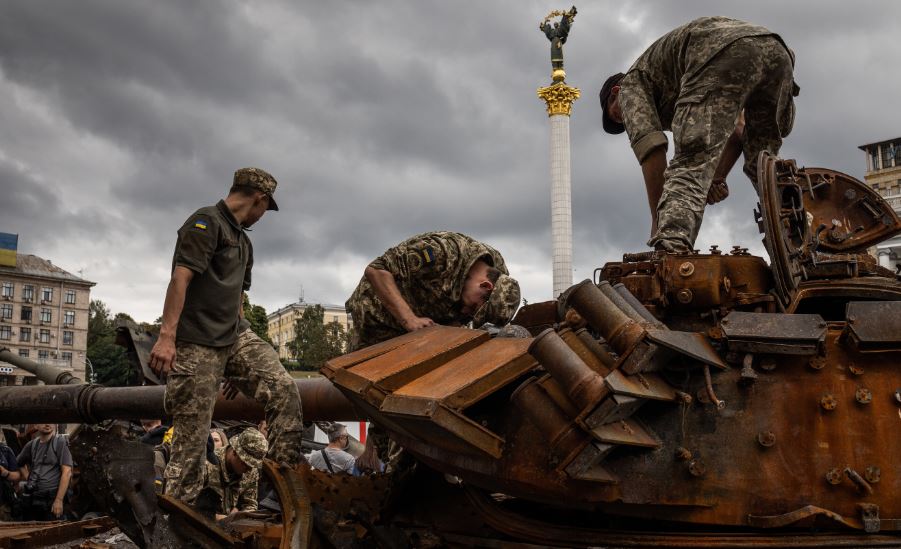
point(428, 255)
point(200, 224)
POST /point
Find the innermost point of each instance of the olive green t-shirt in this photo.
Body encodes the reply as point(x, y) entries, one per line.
point(213, 245)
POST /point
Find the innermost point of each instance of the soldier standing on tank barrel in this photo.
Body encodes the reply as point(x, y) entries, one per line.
point(204, 336)
point(697, 81)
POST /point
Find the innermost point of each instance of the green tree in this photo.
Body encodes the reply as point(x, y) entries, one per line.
point(108, 360)
point(314, 341)
point(256, 315)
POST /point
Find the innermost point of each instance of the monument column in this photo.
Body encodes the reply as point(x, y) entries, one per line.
point(559, 98)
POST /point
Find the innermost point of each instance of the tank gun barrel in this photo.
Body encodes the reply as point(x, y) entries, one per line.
point(51, 375)
point(81, 403)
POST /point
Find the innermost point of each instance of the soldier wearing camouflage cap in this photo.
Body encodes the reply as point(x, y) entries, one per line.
point(204, 337)
point(439, 277)
point(723, 87)
point(231, 485)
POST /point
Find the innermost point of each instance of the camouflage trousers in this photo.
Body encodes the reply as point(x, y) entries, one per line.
point(754, 74)
point(252, 366)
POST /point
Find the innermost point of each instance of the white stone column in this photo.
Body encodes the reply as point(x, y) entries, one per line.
point(559, 98)
point(561, 204)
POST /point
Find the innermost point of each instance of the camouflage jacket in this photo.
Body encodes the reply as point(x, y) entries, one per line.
point(429, 270)
point(240, 492)
point(663, 75)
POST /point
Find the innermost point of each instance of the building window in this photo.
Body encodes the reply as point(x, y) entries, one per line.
point(28, 292)
point(70, 297)
point(44, 336)
point(68, 318)
point(6, 333)
point(7, 290)
point(874, 158)
point(46, 315)
point(888, 154)
point(47, 294)
point(42, 354)
point(25, 314)
point(67, 356)
point(6, 311)
point(68, 337)
point(23, 353)
point(25, 334)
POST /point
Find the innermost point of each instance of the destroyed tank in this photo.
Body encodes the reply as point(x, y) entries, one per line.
point(704, 399)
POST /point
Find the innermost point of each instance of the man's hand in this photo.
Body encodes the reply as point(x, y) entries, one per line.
point(718, 191)
point(413, 323)
point(162, 356)
point(57, 508)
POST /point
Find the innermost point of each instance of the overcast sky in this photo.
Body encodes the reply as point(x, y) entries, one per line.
point(379, 120)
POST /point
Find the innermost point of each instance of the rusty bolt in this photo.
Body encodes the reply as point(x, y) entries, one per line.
point(855, 369)
point(684, 398)
point(94, 450)
point(828, 402)
point(715, 250)
point(872, 474)
point(687, 268)
point(817, 362)
point(834, 476)
point(684, 296)
point(697, 468)
point(863, 395)
point(683, 454)
point(766, 438)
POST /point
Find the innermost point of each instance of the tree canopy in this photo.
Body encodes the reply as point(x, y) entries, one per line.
point(108, 361)
point(256, 315)
point(315, 341)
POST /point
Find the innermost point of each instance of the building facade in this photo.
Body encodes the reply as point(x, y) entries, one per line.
point(281, 323)
point(43, 317)
point(883, 173)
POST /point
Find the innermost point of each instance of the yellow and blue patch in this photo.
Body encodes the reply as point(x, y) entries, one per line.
point(200, 224)
point(428, 255)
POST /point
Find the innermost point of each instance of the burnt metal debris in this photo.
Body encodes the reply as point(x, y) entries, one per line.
point(674, 401)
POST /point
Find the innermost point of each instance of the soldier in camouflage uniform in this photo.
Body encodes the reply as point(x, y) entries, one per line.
point(204, 337)
point(697, 81)
point(232, 484)
point(433, 278)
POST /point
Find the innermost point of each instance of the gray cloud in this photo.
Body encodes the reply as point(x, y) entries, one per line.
point(380, 120)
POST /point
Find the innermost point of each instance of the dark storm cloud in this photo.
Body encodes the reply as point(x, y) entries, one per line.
point(380, 120)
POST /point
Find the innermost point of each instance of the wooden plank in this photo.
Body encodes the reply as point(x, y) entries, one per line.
point(430, 349)
point(368, 353)
point(474, 374)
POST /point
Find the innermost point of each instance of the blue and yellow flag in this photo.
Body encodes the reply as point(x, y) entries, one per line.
point(8, 245)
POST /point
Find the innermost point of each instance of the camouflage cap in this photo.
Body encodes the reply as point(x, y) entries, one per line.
point(501, 305)
point(251, 446)
point(258, 179)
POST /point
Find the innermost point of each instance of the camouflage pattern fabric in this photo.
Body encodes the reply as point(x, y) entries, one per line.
point(251, 447)
point(252, 366)
point(258, 179)
point(429, 270)
point(695, 81)
point(232, 492)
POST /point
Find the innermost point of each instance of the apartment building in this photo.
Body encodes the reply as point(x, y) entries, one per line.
point(43, 316)
point(883, 173)
point(281, 323)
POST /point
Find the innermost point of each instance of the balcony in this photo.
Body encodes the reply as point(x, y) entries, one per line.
point(894, 200)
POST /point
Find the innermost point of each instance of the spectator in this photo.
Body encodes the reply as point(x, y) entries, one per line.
point(369, 463)
point(219, 438)
point(231, 485)
point(154, 430)
point(45, 465)
point(333, 458)
point(9, 471)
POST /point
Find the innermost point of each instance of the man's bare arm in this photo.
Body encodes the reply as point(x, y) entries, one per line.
point(387, 291)
point(719, 190)
point(65, 477)
point(162, 357)
point(652, 169)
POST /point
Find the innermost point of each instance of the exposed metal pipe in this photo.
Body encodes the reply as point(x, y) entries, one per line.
point(583, 386)
point(82, 403)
